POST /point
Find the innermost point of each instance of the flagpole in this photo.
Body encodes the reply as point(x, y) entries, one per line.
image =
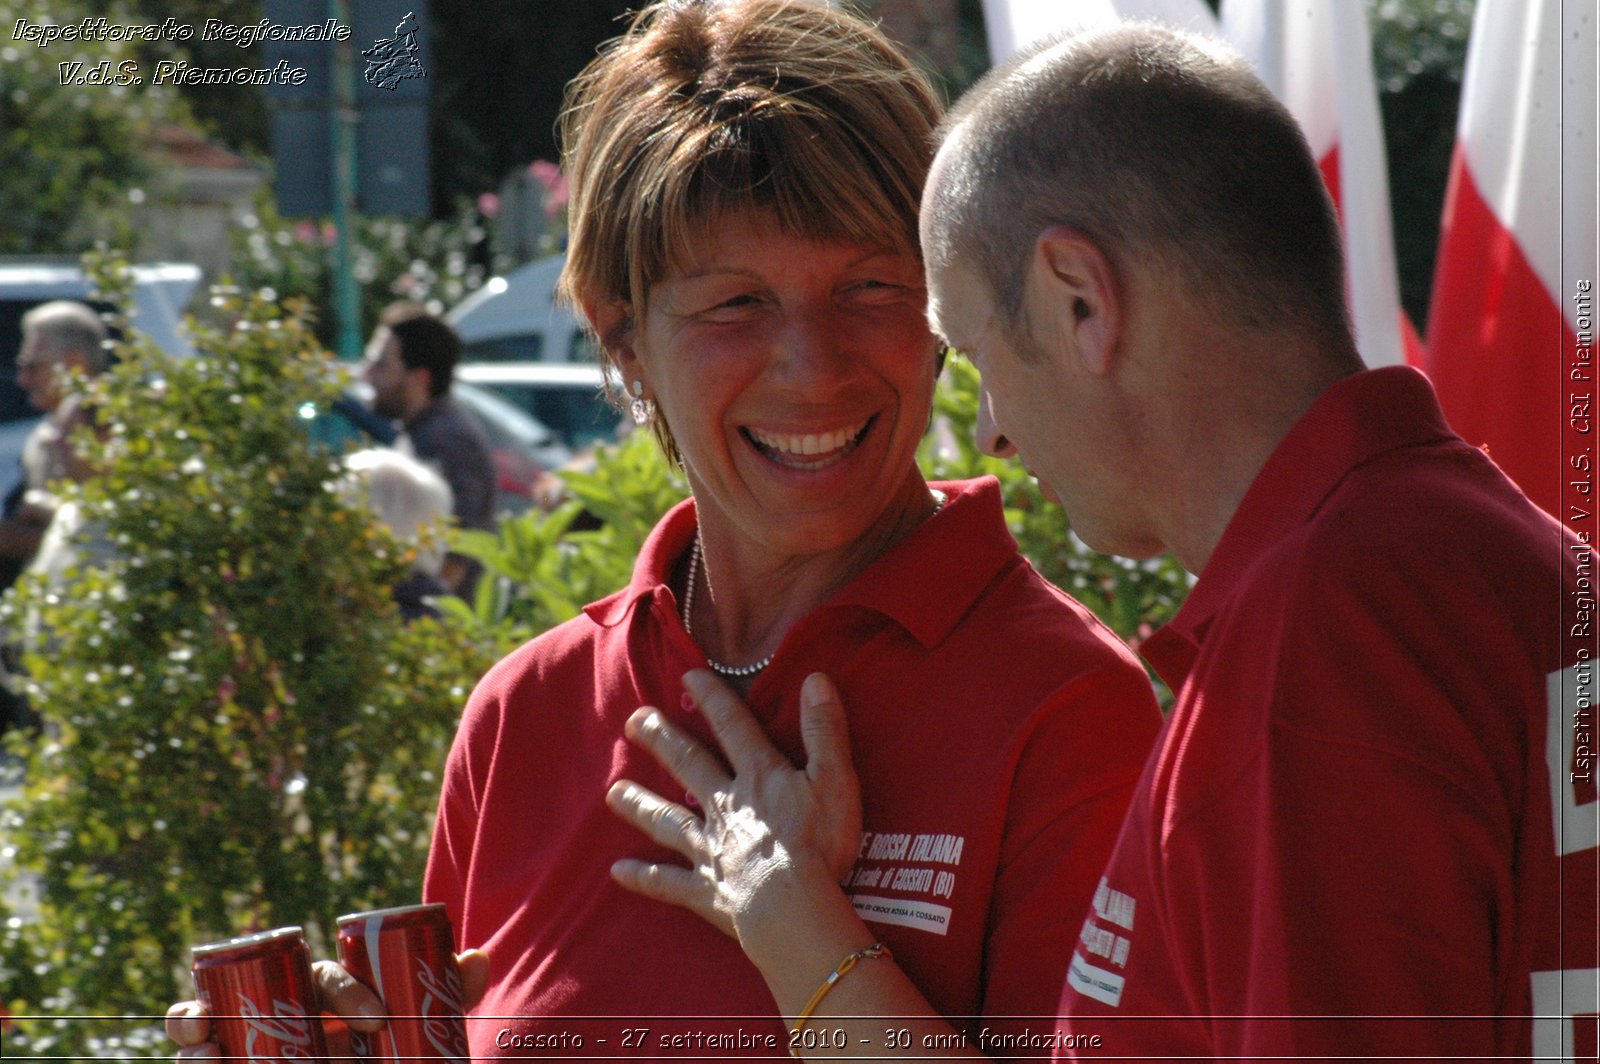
point(346, 297)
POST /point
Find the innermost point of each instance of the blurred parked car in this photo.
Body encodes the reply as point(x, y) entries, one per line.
point(524, 448)
point(160, 292)
point(564, 395)
point(521, 344)
point(516, 318)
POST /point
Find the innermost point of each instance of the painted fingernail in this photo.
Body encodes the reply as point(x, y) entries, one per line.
point(688, 703)
point(690, 800)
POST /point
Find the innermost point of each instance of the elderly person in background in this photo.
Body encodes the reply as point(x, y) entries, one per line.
point(58, 338)
point(36, 532)
point(412, 501)
point(744, 243)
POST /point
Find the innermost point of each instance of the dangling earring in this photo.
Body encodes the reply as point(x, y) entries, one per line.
point(639, 408)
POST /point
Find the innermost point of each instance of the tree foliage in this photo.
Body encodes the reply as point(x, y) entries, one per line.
point(1419, 54)
point(237, 114)
point(500, 83)
point(74, 157)
point(241, 732)
point(436, 263)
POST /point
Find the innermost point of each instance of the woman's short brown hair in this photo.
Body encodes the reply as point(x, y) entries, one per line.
point(709, 107)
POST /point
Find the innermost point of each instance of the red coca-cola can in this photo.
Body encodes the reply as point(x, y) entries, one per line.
point(408, 957)
point(259, 992)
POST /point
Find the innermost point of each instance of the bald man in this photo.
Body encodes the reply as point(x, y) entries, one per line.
point(1368, 828)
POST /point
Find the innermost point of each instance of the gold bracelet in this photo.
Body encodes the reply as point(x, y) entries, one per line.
point(872, 952)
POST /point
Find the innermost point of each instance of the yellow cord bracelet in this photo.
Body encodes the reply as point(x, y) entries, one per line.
point(872, 952)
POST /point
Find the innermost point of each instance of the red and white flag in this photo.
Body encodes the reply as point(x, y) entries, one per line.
point(1316, 57)
point(1511, 322)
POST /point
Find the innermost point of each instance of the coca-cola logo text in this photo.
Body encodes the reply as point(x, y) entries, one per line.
point(287, 1029)
point(442, 1007)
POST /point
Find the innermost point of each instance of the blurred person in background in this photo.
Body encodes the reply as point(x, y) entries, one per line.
point(58, 338)
point(412, 501)
point(410, 365)
point(744, 244)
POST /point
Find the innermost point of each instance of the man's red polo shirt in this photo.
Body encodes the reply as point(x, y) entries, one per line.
point(1349, 839)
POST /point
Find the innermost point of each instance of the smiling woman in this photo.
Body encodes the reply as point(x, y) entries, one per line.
point(795, 378)
point(745, 181)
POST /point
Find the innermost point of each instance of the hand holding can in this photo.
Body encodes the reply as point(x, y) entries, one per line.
point(340, 995)
point(407, 955)
point(259, 993)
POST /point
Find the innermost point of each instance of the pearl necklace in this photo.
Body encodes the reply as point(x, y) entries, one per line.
point(688, 611)
point(688, 605)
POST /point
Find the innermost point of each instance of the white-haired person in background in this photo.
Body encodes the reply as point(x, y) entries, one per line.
point(58, 338)
point(413, 501)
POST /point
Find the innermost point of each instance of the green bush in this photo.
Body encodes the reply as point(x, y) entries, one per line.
point(240, 732)
point(544, 567)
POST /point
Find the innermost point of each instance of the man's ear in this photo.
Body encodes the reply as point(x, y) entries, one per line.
point(1079, 287)
point(418, 381)
point(614, 327)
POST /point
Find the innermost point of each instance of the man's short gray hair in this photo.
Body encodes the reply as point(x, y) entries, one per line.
point(1158, 145)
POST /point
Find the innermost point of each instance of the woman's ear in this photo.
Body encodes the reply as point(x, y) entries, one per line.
point(1080, 286)
point(614, 327)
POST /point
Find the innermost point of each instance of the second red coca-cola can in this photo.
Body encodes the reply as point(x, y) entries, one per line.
point(259, 993)
point(408, 957)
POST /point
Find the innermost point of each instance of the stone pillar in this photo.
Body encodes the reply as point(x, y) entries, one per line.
point(196, 201)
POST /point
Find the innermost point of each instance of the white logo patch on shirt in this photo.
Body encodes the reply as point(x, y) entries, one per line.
point(894, 863)
point(1101, 939)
